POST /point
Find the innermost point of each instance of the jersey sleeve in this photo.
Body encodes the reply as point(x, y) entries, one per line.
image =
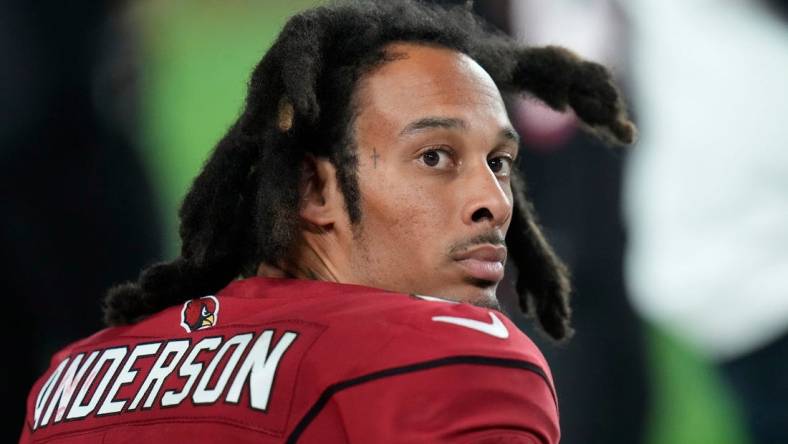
point(464, 399)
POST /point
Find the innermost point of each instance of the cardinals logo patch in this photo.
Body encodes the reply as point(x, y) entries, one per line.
point(201, 313)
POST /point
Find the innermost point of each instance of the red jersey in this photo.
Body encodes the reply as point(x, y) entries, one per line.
point(292, 361)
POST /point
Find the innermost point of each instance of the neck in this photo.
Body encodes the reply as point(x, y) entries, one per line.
point(310, 262)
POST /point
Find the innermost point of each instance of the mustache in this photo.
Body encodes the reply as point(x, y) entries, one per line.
point(491, 237)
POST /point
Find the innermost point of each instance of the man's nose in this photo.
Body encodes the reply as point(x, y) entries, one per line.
point(487, 199)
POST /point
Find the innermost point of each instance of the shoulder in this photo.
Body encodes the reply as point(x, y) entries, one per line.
point(432, 371)
point(353, 330)
point(383, 331)
point(413, 322)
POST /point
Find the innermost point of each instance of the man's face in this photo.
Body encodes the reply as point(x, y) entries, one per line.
point(435, 149)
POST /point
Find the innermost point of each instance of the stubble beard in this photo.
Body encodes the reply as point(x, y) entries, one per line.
point(484, 301)
point(491, 302)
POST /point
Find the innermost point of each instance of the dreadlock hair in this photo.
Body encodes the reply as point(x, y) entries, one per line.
point(242, 209)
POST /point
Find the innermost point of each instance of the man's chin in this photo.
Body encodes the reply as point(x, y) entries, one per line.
point(481, 294)
point(486, 302)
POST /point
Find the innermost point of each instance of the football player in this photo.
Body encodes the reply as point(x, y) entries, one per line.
point(341, 251)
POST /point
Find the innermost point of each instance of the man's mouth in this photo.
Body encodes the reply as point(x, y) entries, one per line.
point(484, 262)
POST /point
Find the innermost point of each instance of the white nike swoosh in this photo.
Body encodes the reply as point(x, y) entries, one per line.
point(495, 328)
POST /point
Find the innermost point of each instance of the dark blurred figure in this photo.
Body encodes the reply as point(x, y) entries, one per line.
point(77, 214)
point(780, 7)
point(760, 377)
point(600, 373)
point(760, 383)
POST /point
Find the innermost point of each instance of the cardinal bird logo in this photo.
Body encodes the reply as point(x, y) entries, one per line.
point(201, 313)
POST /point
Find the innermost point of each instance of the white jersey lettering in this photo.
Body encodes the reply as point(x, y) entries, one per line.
point(261, 366)
point(68, 385)
point(126, 376)
point(46, 390)
point(112, 356)
point(191, 370)
point(204, 395)
point(119, 379)
point(159, 372)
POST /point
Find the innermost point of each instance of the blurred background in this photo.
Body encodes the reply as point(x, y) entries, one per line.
point(678, 247)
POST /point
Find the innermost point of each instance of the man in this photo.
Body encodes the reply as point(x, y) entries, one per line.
point(367, 195)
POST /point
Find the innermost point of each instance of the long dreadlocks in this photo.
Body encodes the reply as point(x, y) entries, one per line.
point(242, 209)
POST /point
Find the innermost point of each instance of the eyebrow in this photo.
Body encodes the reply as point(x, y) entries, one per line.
point(510, 134)
point(428, 123)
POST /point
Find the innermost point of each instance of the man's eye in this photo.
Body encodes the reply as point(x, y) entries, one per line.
point(501, 166)
point(436, 158)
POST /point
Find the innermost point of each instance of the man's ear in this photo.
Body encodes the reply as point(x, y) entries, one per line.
point(322, 202)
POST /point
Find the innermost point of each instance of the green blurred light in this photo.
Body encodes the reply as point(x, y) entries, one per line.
point(198, 56)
